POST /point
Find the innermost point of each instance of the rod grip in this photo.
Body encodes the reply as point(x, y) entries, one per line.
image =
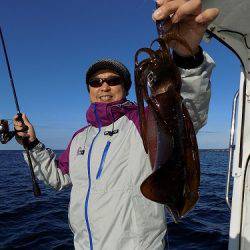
point(20, 118)
point(25, 141)
point(36, 188)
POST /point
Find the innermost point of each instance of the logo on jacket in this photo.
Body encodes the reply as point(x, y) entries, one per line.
point(80, 151)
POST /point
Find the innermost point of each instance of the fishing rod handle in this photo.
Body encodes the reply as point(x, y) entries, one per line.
point(25, 142)
point(20, 118)
point(36, 188)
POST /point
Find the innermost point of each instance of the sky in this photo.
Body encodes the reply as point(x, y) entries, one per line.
point(50, 45)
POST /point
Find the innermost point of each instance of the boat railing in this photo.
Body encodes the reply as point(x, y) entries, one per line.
point(231, 148)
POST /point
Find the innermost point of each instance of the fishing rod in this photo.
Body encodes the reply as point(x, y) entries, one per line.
point(7, 135)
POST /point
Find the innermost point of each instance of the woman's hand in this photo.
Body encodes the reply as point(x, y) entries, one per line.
point(188, 20)
point(18, 125)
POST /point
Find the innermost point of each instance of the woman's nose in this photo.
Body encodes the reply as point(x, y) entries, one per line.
point(105, 86)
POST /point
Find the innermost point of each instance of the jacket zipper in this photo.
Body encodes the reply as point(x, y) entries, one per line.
point(89, 180)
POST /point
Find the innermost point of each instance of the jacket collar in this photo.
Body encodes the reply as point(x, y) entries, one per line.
point(103, 114)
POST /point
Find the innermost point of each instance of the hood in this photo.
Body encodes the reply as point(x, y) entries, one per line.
point(107, 113)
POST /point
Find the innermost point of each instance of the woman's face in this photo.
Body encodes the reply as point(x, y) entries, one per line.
point(107, 91)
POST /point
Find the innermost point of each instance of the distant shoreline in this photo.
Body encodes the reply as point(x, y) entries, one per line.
point(201, 149)
point(213, 149)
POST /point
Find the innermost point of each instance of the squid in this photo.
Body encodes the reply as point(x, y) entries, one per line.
point(167, 130)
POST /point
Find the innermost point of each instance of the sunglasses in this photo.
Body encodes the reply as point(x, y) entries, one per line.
point(111, 81)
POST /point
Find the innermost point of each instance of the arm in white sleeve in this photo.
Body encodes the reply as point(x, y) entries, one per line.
point(196, 90)
point(53, 172)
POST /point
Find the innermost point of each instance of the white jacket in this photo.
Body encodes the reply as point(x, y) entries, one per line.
point(107, 210)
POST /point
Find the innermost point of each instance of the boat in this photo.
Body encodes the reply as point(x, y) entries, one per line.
point(232, 29)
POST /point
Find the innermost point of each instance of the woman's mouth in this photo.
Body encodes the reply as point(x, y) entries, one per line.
point(106, 98)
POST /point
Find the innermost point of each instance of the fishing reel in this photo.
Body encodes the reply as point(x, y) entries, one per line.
point(5, 134)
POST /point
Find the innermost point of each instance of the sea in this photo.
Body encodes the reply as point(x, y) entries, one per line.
point(27, 222)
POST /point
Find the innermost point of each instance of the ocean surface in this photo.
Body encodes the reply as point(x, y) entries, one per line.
point(41, 223)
